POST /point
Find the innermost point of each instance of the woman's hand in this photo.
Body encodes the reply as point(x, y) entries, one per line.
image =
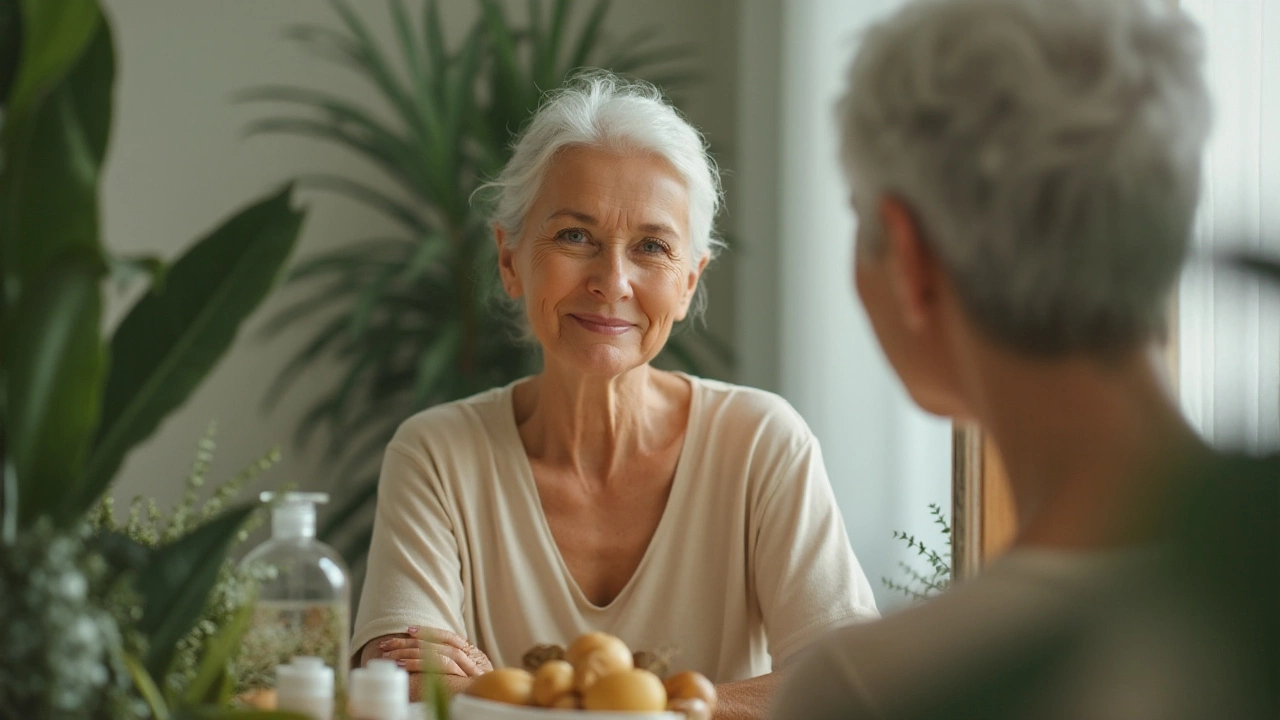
point(434, 650)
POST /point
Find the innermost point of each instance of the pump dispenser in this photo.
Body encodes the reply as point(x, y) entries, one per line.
point(303, 598)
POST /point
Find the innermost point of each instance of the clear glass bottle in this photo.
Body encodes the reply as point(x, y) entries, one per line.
point(303, 600)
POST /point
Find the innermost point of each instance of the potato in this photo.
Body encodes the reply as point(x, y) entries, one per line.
point(589, 643)
point(690, 685)
point(553, 680)
point(513, 686)
point(604, 660)
point(629, 690)
point(568, 701)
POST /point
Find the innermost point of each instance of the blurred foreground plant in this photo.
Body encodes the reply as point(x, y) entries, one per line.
point(74, 402)
point(148, 526)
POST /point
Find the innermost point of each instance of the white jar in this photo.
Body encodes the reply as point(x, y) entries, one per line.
point(379, 691)
point(305, 686)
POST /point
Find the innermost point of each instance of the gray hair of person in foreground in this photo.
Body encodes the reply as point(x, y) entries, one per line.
point(601, 110)
point(1050, 152)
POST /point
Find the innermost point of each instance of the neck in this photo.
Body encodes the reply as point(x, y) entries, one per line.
point(1089, 445)
point(592, 425)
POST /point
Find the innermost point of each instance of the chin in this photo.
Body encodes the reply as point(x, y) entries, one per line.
point(604, 360)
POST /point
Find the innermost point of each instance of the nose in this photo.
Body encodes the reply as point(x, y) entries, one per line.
point(610, 276)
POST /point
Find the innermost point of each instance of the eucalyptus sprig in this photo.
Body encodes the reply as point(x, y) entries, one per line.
point(920, 585)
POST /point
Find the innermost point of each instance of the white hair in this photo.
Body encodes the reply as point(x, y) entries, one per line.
point(1049, 149)
point(602, 110)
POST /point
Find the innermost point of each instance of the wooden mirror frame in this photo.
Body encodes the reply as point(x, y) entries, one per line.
point(983, 517)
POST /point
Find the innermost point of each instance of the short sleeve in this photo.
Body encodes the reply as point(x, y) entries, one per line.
point(807, 578)
point(414, 572)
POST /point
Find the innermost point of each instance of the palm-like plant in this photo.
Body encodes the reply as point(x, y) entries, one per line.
point(410, 317)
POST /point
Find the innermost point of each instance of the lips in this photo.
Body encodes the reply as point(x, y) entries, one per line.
point(602, 325)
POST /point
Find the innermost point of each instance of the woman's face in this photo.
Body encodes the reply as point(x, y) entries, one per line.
point(605, 264)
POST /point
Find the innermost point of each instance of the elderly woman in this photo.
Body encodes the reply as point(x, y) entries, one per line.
point(1025, 173)
point(602, 493)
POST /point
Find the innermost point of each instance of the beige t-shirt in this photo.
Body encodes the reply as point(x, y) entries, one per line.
point(749, 563)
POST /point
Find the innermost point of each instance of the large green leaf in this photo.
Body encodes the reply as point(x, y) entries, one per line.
point(55, 367)
point(49, 186)
point(54, 35)
point(92, 83)
point(169, 341)
point(10, 46)
point(147, 688)
point(176, 582)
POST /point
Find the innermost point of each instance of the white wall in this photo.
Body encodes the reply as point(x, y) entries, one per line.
point(179, 164)
point(810, 340)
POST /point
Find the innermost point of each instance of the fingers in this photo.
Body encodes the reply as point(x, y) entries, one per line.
point(450, 657)
point(459, 658)
point(437, 635)
point(438, 664)
point(447, 666)
point(399, 644)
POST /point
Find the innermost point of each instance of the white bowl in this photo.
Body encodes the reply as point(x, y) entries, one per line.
point(466, 707)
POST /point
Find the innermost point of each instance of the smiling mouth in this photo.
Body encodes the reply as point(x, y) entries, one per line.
point(602, 325)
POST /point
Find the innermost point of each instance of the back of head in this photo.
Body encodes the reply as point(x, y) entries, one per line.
point(1049, 149)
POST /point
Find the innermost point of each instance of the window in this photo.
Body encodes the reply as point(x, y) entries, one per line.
point(1229, 324)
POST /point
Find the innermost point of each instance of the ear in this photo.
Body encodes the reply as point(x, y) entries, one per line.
point(691, 287)
point(507, 264)
point(914, 271)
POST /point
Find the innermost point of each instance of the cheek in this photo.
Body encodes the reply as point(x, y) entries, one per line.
point(661, 292)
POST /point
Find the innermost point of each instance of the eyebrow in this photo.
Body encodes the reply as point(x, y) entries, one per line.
point(656, 228)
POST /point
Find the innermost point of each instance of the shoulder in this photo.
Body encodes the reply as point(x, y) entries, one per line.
point(750, 415)
point(976, 630)
point(452, 426)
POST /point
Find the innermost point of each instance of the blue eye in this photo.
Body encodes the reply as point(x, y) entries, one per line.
point(653, 246)
point(574, 236)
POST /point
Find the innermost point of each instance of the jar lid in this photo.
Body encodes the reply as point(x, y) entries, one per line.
point(380, 681)
point(305, 676)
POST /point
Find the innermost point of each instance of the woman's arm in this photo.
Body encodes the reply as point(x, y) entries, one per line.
point(747, 699)
point(414, 576)
point(457, 662)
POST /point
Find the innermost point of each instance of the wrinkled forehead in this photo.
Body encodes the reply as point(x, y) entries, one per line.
point(630, 190)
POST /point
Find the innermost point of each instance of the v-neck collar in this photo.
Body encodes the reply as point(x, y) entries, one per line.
point(675, 498)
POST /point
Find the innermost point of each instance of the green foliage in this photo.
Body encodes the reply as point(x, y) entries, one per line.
point(173, 338)
point(146, 525)
point(91, 621)
point(61, 620)
point(411, 318)
point(919, 585)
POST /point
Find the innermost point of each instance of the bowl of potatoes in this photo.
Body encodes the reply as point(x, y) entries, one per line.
point(596, 678)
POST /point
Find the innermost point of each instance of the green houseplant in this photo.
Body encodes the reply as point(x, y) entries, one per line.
point(918, 585)
point(409, 318)
point(91, 621)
